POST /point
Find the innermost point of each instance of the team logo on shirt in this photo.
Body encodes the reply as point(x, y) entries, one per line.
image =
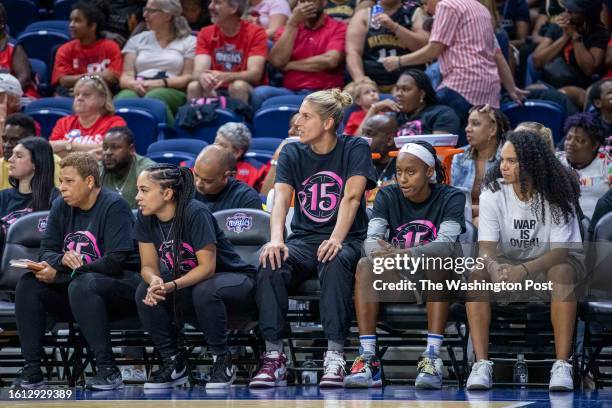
point(320, 196)
point(239, 222)
point(188, 258)
point(414, 233)
point(228, 56)
point(12, 217)
point(84, 243)
point(411, 128)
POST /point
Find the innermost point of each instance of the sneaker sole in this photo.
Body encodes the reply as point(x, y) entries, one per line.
point(348, 383)
point(178, 381)
point(560, 388)
point(331, 384)
point(424, 385)
point(215, 386)
point(105, 387)
point(267, 384)
point(477, 387)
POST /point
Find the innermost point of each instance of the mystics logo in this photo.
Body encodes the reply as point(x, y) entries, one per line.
point(188, 258)
point(228, 57)
point(85, 243)
point(12, 217)
point(320, 196)
point(414, 233)
point(239, 222)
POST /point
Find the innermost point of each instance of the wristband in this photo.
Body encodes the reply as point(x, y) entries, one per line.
point(175, 286)
point(165, 82)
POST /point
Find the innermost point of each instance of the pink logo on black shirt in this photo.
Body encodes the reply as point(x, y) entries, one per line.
point(12, 217)
point(414, 233)
point(85, 243)
point(320, 196)
point(188, 258)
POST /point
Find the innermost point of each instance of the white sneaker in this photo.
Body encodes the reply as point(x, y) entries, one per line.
point(481, 377)
point(561, 377)
point(131, 374)
point(334, 370)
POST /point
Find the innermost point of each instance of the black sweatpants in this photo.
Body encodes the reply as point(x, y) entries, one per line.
point(335, 277)
point(91, 299)
point(210, 300)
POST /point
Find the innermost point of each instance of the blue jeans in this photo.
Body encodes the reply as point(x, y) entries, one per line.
point(263, 92)
point(460, 105)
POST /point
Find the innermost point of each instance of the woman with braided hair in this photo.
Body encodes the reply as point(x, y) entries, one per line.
point(188, 267)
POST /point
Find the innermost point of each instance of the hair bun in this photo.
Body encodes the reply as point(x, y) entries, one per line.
point(343, 97)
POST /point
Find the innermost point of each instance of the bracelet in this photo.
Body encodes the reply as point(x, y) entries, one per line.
point(165, 82)
point(273, 162)
point(175, 286)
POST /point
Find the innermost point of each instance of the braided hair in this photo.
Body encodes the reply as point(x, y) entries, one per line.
point(180, 181)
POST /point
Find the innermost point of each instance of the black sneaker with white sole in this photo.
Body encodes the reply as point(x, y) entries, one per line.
point(107, 378)
point(29, 377)
point(172, 372)
point(223, 372)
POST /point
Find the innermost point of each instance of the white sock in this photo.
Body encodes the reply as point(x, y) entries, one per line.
point(367, 344)
point(434, 342)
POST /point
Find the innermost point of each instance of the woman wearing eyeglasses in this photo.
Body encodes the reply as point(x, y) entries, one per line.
point(485, 134)
point(94, 115)
point(158, 63)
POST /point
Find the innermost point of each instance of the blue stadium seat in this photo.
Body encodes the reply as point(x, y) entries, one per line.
point(208, 131)
point(259, 157)
point(62, 26)
point(170, 157)
point(47, 111)
point(155, 107)
point(295, 100)
point(42, 44)
point(265, 144)
point(62, 9)
point(143, 124)
point(189, 146)
point(273, 121)
point(39, 68)
point(19, 13)
point(547, 113)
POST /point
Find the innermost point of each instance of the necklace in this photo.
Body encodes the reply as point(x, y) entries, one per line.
point(161, 230)
point(127, 177)
point(382, 174)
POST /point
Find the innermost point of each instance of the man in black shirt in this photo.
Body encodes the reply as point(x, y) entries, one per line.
point(86, 251)
point(381, 129)
point(215, 185)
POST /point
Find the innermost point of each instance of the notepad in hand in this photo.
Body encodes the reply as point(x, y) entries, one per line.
point(26, 264)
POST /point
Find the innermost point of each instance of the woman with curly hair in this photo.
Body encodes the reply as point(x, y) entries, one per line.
point(485, 135)
point(583, 139)
point(529, 209)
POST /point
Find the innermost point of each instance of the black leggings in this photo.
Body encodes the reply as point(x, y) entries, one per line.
point(91, 299)
point(209, 300)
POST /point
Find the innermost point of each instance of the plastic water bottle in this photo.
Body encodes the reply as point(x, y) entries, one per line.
point(376, 10)
point(309, 374)
point(521, 375)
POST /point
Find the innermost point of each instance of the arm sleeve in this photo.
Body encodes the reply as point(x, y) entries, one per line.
point(62, 65)
point(377, 229)
point(336, 42)
point(202, 44)
point(522, 12)
point(132, 45)
point(141, 231)
point(259, 45)
point(361, 163)
point(252, 200)
point(488, 222)
point(190, 49)
point(60, 129)
point(444, 244)
point(283, 168)
point(52, 244)
point(116, 64)
point(201, 230)
point(280, 7)
point(445, 25)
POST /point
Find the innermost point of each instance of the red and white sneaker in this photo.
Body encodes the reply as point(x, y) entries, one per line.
point(333, 370)
point(273, 371)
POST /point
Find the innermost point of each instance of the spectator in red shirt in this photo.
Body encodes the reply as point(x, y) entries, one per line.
point(230, 54)
point(364, 93)
point(310, 52)
point(94, 115)
point(88, 53)
point(14, 60)
point(236, 137)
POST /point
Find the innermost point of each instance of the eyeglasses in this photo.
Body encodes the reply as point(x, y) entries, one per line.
point(151, 10)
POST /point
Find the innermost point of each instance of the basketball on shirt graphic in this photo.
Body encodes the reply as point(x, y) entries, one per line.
point(414, 233)
point(85, 243)
point(188, 258)
point(320, 196)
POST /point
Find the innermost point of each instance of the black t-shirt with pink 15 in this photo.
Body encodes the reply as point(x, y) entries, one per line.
point(319, 181)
